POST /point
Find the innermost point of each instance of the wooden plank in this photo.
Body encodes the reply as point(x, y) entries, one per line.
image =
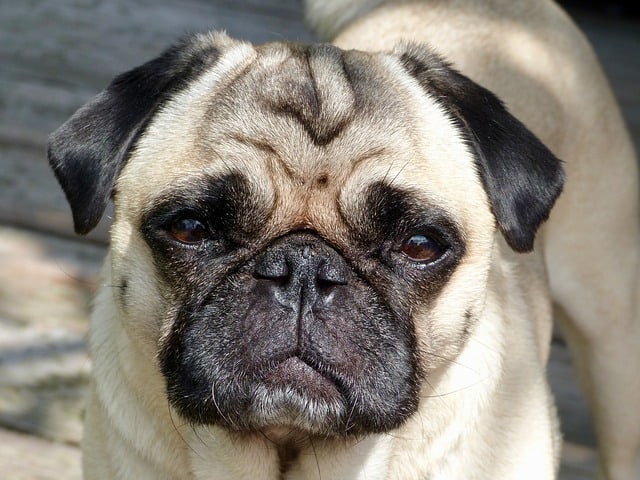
point(25, 457)
point(31, 198)
point(46, 285)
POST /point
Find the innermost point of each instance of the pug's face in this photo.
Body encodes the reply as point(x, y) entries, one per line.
point(302, 234)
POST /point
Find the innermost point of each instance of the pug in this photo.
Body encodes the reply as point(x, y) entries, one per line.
point(329, 261)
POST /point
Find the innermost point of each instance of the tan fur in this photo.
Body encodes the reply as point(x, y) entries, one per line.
point(407, 158)
point(535, 59)
point(488, 414)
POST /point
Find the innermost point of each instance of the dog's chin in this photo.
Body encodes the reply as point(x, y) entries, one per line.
point(295, 396)
point(298, 377)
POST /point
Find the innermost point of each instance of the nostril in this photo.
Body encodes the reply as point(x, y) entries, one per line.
point(272, 266)
point(330, 274)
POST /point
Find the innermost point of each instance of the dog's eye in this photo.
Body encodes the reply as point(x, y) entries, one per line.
point(189, 231)
point(422, 249)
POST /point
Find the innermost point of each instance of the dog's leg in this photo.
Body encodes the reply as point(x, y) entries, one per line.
point(593, 253)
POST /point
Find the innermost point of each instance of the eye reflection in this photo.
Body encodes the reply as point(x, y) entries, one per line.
point(422, 249)
point(189, 231)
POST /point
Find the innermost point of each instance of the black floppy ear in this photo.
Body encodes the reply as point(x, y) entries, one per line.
point(520, 175)
point(88, 152)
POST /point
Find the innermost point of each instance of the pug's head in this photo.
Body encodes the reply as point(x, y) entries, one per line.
point(302, 234)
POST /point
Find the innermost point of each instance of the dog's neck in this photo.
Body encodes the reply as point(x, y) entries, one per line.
point(287, 456)
point(289, 444)
point(295, 457)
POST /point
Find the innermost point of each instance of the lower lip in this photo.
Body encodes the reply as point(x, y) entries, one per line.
point(296, 374)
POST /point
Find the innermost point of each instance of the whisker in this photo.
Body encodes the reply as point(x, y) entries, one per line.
point(398, 173)
point(195, 432)
point(177, 430)
point(315, 455)
point(386, 174)
point(215, 403)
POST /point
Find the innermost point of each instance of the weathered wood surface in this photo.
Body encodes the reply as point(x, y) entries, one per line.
point(56, 55)
point(53, 57)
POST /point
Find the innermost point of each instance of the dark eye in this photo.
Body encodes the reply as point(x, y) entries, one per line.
point(422, 249)
point(189, 231)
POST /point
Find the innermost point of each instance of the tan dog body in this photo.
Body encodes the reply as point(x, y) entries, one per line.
point(535, 59)
point(480, 329)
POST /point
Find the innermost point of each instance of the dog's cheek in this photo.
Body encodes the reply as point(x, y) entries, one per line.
point(447, 325)
point(138, 291)
point(439, 340)
point(199, 356)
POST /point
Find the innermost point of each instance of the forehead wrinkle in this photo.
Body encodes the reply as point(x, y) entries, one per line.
point(289, 191)
point(334, 86)
point(312, 87)
point(263, 146)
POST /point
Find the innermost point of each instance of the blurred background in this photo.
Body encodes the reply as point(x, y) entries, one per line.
point(54, 56)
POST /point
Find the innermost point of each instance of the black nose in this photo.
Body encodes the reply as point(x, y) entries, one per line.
point(302, 270)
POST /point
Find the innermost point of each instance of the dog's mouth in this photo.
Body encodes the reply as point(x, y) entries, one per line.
point(296, 374)
point(295, 394)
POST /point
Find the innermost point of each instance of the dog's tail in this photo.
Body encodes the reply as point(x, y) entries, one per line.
point(328, 17)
